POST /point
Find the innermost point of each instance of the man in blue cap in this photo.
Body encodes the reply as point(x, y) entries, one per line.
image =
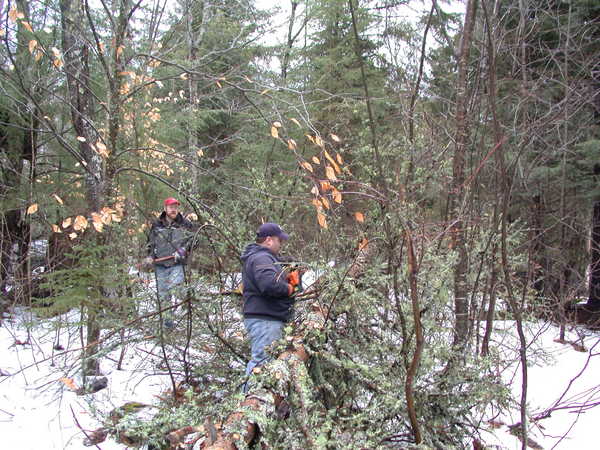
point(267, 291)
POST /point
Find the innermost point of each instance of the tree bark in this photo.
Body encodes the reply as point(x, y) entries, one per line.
point(458, 193)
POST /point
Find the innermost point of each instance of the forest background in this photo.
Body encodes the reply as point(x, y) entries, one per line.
point(447, 163)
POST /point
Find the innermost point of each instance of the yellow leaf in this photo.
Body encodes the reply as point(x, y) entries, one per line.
point(335, 137)
point(32, 208)
point(274, 132)
point(67, 222)
point(339, 158)
point(56, 229)
point(337, 196)
point(80, 138)
point(317, 204)
point(310, 138)
point(330, 173)
point(115, 218)
point(316, 160)
point(38, 55)
point(277, 124)
point(363, 243)
point(200, 152)
point(55, 52)
point(68, 382)
point(27, 26)
point(322, 220)
point(96, 218)
point(99, 226)
point(291, 144)
point(183, 76)
point(325, 202)
point(58, 199)
point(218, 84)
point(314, 190)
point(32, 45)
point(72, 236)
point(332, 161)
point(12, 14)
point(265, 91)
point(58, 63)
point(326, 185)
point(307, 166)
point(295, 121)
point(80, 223)
point(359, 217)
point(319, 141)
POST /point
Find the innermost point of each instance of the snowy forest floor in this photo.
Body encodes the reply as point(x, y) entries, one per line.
point(38, 410)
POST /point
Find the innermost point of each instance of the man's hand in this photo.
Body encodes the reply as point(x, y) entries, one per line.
point(293, 279)
point(146, 264)
point(179, 254)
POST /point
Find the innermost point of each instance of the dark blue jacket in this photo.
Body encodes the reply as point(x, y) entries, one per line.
point(265, 285)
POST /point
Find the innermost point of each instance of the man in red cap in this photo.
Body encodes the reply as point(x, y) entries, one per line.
point(169, 242)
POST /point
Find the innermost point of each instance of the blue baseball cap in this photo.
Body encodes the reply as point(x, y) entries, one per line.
point(272, 229)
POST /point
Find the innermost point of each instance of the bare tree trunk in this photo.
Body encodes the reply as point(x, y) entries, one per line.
point(76, 61)
point(458, 194)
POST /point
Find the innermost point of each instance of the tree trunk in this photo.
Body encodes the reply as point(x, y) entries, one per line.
point(458, 194)
point(594, 283)
point(76, 60)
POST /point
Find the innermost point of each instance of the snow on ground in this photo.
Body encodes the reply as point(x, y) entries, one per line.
point(555, 368)
point(38, 411)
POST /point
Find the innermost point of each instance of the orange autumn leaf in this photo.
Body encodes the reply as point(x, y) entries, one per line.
point(339, 158)
point(295, 121)
point(322, 220)
point(307, 166)
point(325, 202)
point(291, 144)
point(68, 382)
point(32, 208)
point(27, 26)
point(274, 132)
point(326, 185)
point(359, 217)
point(363, 243)
point(80, 223)
point(333, 163)
point(56, 229)
point(337, 196)
point(32, 45)
point(330, 173)
point(335, 137)
point(72, 236)
point(316, 160)
point(67, 222)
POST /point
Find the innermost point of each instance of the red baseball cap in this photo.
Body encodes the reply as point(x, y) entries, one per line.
point(171, 201)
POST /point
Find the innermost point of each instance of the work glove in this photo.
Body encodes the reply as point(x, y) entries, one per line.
point(293, 279)
point(179, 254)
